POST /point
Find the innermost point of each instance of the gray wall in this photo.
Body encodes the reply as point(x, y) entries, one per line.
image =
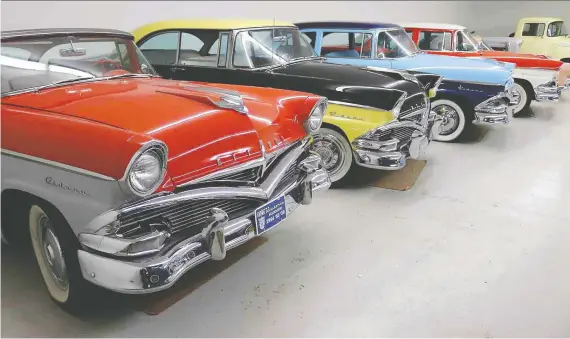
point(490, 18)
point(128, 15)
point(499, 18)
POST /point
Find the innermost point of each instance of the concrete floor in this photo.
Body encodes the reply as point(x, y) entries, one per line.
point(479, 247)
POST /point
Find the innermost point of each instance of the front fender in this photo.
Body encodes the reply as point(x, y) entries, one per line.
point(472, 93)
point(559, 50)
point(79, 197)
point(535, 76)
point(355, 121)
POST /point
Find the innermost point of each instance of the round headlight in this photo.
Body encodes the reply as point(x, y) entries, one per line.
point(315, 119)
point(146, 172)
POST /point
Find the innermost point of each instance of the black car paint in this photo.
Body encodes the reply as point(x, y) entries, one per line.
point(337, 82)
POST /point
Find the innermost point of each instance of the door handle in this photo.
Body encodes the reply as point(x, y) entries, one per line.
point(174, 69)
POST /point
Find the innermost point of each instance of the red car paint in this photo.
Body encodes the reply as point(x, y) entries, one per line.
point(98, 126)
point(520, 59)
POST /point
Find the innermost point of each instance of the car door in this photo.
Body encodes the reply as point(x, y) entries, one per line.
point(533, 37)
point(350, 47)
point(195, 55)
point(435, 41)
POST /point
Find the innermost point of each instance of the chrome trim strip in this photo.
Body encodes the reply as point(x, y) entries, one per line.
point(353, 105)
point(226, 171)
point(472, 82)
point(57, 164)
point(14, 34)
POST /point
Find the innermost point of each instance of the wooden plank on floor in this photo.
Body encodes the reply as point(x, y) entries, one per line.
point(156, 303)
point(401, 180)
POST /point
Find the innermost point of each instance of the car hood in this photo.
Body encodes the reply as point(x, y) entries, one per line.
point(457, 68)
point(351, 84)
point(201, 137)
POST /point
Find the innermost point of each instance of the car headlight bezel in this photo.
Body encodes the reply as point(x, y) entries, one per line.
point(315, 119)
point(154, 154)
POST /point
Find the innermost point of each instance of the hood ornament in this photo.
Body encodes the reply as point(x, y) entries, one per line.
point(227, 98)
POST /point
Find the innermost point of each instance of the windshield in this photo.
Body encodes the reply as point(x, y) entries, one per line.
point(270, 47)
point(557, 28)
point(32, 62)
point(465, 42)
point(472, 41)
point(395, 44)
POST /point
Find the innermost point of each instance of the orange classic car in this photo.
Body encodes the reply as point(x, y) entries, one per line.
point(124, 180)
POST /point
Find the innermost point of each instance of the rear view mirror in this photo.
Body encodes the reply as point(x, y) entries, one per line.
point(71, 52)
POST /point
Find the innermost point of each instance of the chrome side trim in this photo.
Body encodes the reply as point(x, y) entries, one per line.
point(352, 105)
point(226, 171)
point(471, 82)
point(57, 164)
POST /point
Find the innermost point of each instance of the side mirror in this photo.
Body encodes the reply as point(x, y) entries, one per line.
point(145, 69)
point(381, 55)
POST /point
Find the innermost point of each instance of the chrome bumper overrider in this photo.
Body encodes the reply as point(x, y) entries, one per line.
point(495, 110)
point(391, 154)
point(160, 270)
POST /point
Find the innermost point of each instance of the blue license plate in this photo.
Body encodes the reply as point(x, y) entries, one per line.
point(270, 215)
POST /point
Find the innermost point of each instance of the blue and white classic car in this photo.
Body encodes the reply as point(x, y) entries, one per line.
point(472, 90)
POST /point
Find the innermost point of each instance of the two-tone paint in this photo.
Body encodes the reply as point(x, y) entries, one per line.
point(534, 74)
point(360, 100)
point(473, 84)
point(69, 148)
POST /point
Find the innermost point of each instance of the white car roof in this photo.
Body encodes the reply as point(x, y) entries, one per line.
point(432, 25)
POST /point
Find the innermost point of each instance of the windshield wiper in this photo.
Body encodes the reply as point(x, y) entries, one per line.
point(61, 82)
point(131, 75)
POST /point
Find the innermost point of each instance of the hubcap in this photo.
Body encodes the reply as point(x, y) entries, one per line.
point(450, 119)
point(516, 98)
point(330, 150)
point(52, 254)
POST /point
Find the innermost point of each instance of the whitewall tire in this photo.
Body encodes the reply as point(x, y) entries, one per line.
point(522, 99)
point(49, 255)
point(55, 248)
point(454, 120)
point(335, 152)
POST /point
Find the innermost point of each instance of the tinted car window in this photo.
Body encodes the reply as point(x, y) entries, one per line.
point(533, 29)
point(434, 41)
point(342, 44)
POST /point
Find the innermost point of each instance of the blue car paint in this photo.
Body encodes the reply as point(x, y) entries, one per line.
point(474, 79)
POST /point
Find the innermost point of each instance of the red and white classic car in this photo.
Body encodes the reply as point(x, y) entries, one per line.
point(125, 180)
point(535, 75)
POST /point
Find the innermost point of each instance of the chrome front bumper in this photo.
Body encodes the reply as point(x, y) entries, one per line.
point(159, 271)
point(495, 110)
point(392, 154)
point(548, 92)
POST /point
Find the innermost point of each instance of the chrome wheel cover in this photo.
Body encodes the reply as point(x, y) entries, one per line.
point(450, 119)
point(51, 253)
point(330, 150)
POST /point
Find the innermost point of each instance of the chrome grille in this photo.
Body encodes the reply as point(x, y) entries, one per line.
point(251, 174)
point(404, 134)
point(184, 215)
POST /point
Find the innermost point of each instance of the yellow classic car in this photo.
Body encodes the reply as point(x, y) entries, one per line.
point(375, 117)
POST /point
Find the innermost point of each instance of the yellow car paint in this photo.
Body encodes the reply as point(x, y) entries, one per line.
point(355, 121)
point(217, 24)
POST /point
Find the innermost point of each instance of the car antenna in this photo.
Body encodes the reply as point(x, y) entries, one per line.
point(272, 41)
